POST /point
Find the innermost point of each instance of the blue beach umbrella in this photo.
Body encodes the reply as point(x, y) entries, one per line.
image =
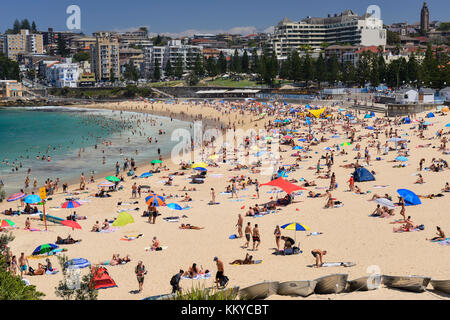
point(146, 175)
point(370, 128)
point(411, 199)
point(295, 227)
point(174, 206)
point(32, 198)
point(200, 169)
point(447, 125)
point(297, 148)
point(77, 263)
point(367, 116)
point(302, 139)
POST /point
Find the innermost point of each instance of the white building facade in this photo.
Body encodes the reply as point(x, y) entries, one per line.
point(345, 28)
point(64, 74)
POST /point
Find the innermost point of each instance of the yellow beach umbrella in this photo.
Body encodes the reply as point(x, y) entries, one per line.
point(123, 219)
point(199, 164)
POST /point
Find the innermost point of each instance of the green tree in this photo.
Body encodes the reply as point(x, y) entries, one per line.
point(81, 56)
point(131, 72)
point(320, 69)
point(25, 24)
point(349, 73)
point(392, 38)
point(168, 70)
point(413, 68)
point(235, 62)
point(112, 76)
point(9, 69)
point(255, 62)
point(199, 67)
point(211, 67)
point(62, 48)
point(222, 63)
point(333, 69)
point(429, 68)
point(156, 71)
point(33, 27)
point(12, 287)
point(245, 62)
point(179, 69)
point(16, 26)
point(192, 79)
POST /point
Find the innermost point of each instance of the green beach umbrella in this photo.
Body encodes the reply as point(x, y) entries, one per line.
point(156, 161)
point(112, 178)
point(345, 144)
point(123, 219)
point(6, 223)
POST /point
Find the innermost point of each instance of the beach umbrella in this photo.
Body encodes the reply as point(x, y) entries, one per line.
point(123, 219)
point(174, 206)
point(155, 200)
point(199, 164)
point(370, 128)
point(77, 263)
point(447, 125)
point(105, 184)
point(395, 139)
point(297, 148)
point(260, 153)
point(146, 175)
point(427, 123)
point(295, 227)
point(44, 248)
point(367, 116)
point(200, 169)
point(345, 144)
point(71, 204)
point(16, 196)
point(286, 186)
point(385, 202)
point(112, 178)
point(401, 158)
point(32, 199)
point(6, 223)
point(282, 174)
point(287, 137)
point(72, 224)
point(411, 199)
point(156, 161)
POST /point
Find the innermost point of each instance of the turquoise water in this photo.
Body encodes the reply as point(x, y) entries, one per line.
point(69, 137)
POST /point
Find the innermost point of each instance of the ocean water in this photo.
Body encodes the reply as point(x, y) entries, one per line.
point(69, 137)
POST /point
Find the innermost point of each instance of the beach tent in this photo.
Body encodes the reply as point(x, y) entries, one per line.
point(286, 186)
point(362, 174)
point(372, 114)
point(101, 279)
point(411, 199)
point(367, 116)
point(77, 263)
point(430, 115)
point(123, 219)
point(406, 120)
point(316, 113)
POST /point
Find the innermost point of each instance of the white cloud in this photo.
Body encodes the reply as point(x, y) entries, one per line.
point(269, 29)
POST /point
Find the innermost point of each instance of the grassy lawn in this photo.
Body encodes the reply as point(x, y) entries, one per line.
point(230, 83)
point(166, 83)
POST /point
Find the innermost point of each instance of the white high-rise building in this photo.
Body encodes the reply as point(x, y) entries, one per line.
point(345, 28)
point(64, 74)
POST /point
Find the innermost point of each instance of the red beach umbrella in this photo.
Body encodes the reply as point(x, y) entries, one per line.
point(72, 224)
point(284, 185)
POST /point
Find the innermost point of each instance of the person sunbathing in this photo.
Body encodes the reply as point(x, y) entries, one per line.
point(430, 196)
point(440, 235)
point(376, 196)
point(68, 240)
point(419, 180)
point(308, 183)
point(446, 188)
point(39, 272)
point(96, 227)
point(377, 212)
point(248, 260)
point(105, 225)
point(408, 226)
point(312, 194)
point(124, 260)
point(189, 227)
point(194, 271)
point(358, 190)
point(155, 244)
point(186, 198)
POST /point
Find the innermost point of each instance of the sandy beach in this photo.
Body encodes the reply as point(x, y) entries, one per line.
point(348, 232)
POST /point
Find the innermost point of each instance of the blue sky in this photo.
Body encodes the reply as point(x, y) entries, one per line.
point(184, 17)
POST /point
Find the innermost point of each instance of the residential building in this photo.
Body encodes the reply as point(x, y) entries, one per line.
point(10, 88)
point(138, 38)
point(406, 96)
point(426, 95)
point(345, 28)
point(23, 42)
point(82, 43)
point(445, 93)
point(64, 74)
point(105, 56)
point(2, 43)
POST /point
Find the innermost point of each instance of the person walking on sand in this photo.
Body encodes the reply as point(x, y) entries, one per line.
point(257, 188)
point(247, 232)
point(175, 282)
point(277, 234)
point(256, 237)
point(318, 254)
point(213, 196)
point(134, 191)
point(234, 190)
point(220, 271)
point(23, 263)
point(239, 224)
point(140, 273)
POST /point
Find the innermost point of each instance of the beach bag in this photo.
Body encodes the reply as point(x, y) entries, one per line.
point(223, 281)
point(421, 227)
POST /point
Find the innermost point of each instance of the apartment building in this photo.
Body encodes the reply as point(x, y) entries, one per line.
point(105, 56)
point(63, 74)
point(345, 28)
point(10, 88)
point(23, 42)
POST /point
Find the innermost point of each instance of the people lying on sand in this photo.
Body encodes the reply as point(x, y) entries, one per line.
point(307, 183)
point(440, 235)
point(430, 196)
point(248, 260)
point(68, 240)
point(75, 217)
point(318, 254)
point(376, 196)
point(312, 194)
point(186, 198)
point(38, 272)
point(96, 227)
point(189, 227)
point(377, 212)
point(408, 226)
point(190, 189)
point(194, 270)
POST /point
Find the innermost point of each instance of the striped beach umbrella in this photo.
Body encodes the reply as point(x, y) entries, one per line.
point(6, 223)
point(295, 227)
point(32, 199)
point(199, 164)
point(16, 196)
point(105, 184)
point(155, 200)
point(71, 204)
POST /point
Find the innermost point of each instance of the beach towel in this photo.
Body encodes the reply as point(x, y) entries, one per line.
point(334, 264)
point(54, 271)
point(256, 262)
point(445, 242)
point(235, 200)
point(225, 192)
point(132, 237)
point(380, 186)
point(233, 236)
point(162, 248)
point(199, 276)
point(314, 234)
point(33, 229)
point(109, 230)
point(171, 220)
point(212, 204)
